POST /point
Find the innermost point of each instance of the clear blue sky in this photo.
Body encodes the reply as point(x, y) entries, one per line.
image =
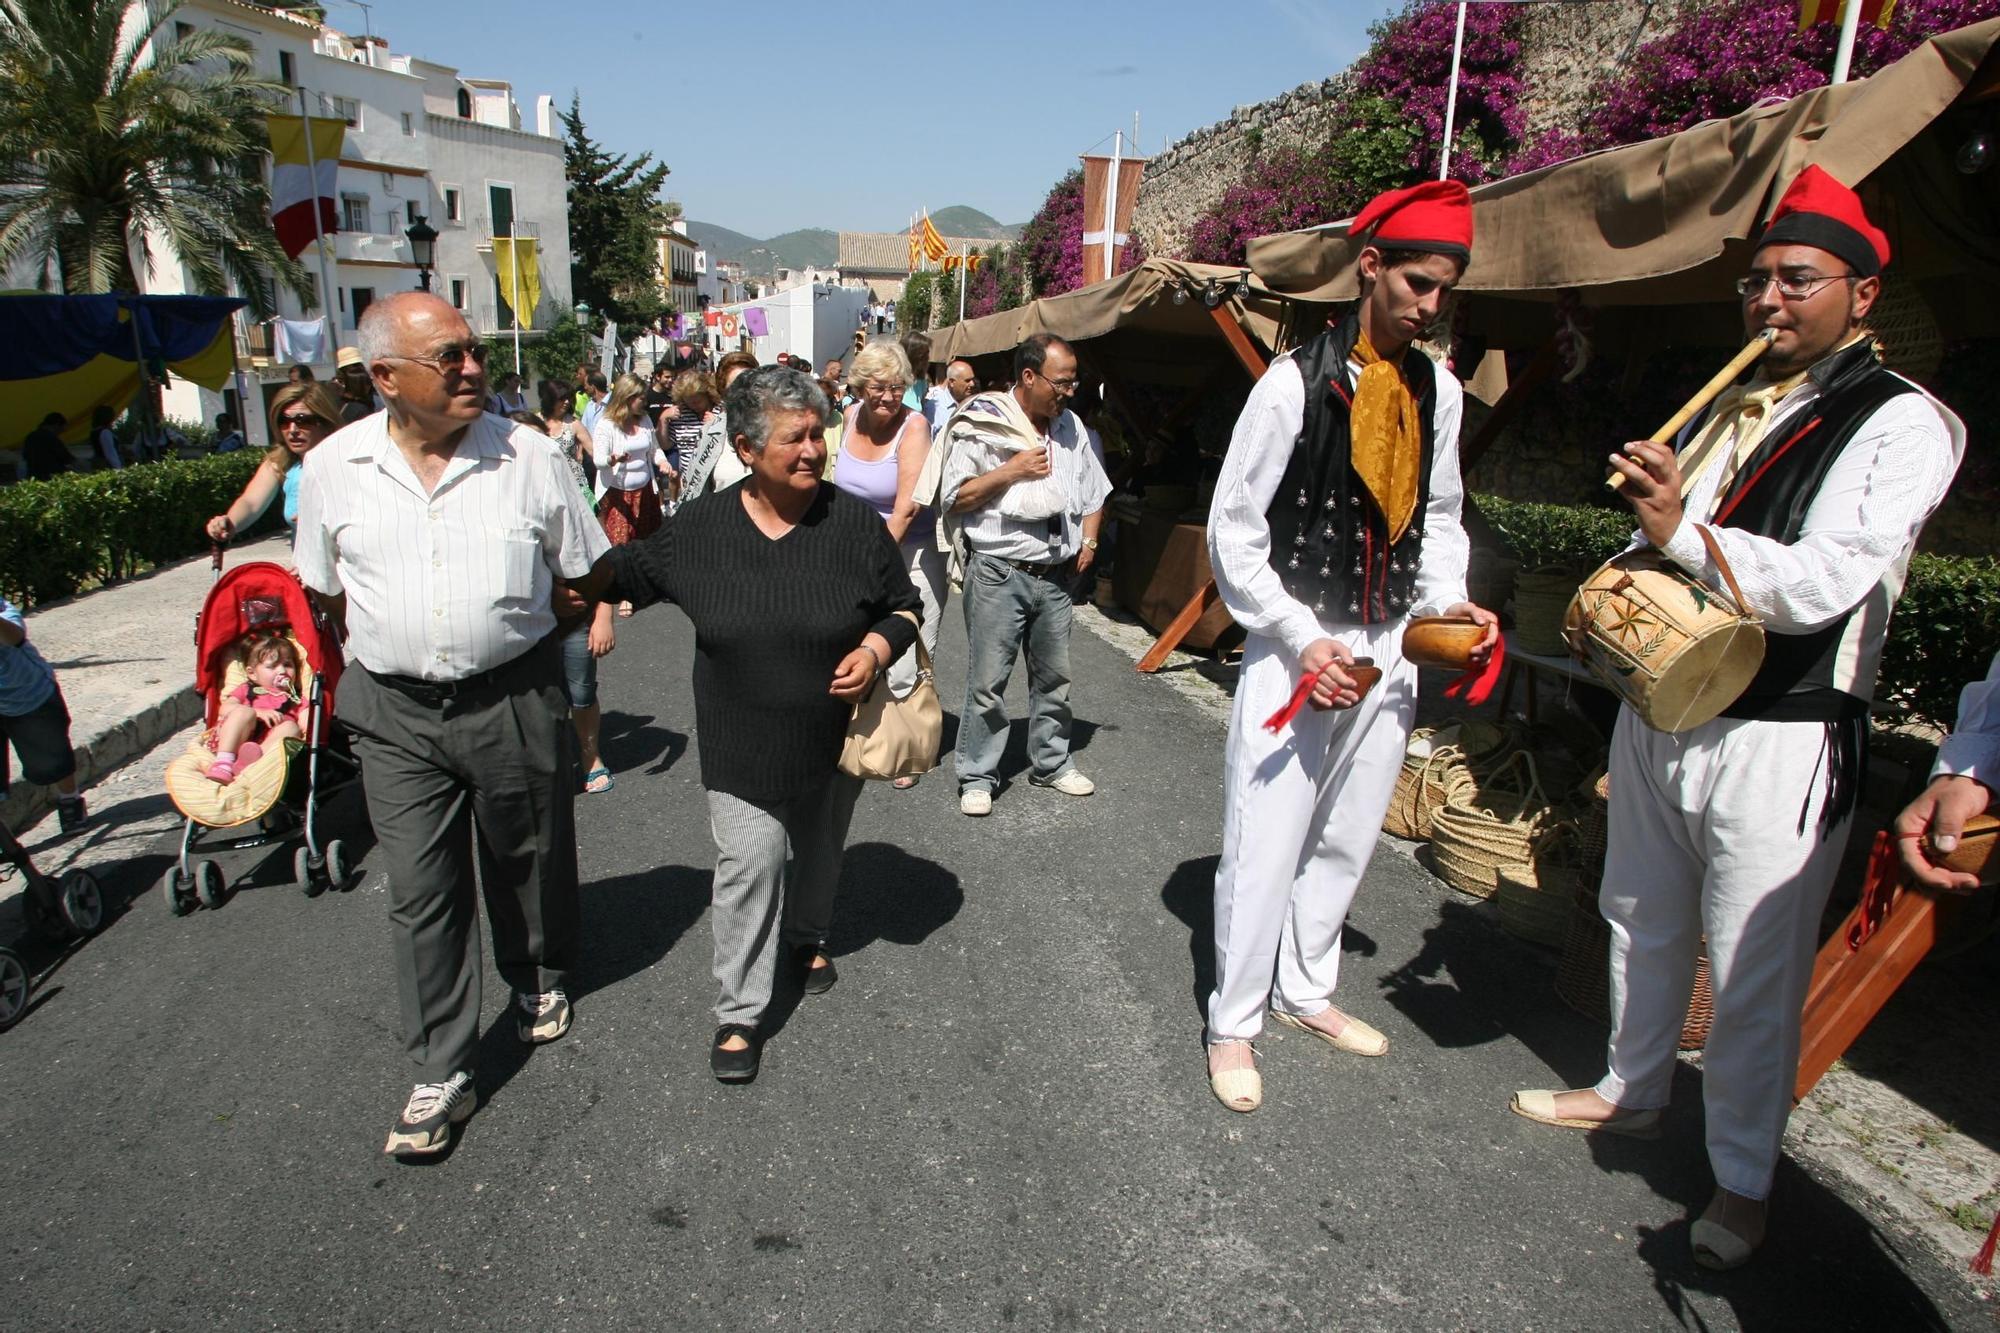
point(782, 115)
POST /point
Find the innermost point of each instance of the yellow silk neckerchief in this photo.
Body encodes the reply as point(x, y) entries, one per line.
point(1386, 439)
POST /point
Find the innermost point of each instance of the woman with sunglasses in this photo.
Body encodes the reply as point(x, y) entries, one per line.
point(302, 415)
point(628, 457)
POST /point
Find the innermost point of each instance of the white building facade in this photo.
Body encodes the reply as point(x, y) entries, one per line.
point(422, 141)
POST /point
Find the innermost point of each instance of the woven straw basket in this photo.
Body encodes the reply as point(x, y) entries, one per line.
point(1492, 826)
point(1535, 904)
point(1435, 767)
point(1541, 598)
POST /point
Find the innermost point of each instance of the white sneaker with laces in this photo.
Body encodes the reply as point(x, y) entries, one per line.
point(424, 1128)
point(1070, 782)
point(975, 801)
point(543, 1017)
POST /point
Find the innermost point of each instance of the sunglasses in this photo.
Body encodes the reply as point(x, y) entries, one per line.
point(299, 419)
point(449, 360)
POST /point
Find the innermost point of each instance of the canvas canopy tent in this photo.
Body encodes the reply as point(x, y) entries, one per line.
point(72, 354)
point(1130, 329)
point(1669, 224)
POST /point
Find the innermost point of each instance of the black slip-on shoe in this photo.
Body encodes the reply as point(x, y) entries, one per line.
point(734, 1066)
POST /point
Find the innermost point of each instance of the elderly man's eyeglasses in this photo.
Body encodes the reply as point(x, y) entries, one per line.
point(1791, 286)
point(1060, 386)
point(449, 360)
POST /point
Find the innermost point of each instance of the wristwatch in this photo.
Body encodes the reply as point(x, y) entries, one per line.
point(1090, 543)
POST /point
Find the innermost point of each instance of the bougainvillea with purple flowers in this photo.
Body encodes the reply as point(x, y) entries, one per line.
point(1723, 58)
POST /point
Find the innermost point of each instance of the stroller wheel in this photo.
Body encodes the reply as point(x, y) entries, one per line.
point(13, 988)
point(302, 874)
point(208, 884)
point(178, 890)
point(81, 902)
point(336, 867)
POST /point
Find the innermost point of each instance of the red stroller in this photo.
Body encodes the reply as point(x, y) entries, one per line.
point(277, 798)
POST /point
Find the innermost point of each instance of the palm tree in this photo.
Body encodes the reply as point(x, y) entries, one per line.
point(110, 135)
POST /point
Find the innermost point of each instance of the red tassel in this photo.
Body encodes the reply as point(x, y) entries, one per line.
point(1475, 685)
point(1281, 719)
point(1982, 1263)
point(1878, 888)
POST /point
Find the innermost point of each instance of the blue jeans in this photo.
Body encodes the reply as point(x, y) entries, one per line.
point(1007, 610)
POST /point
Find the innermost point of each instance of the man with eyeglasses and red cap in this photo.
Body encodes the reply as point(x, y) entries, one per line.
point(1814, 477)
point(1335, 519)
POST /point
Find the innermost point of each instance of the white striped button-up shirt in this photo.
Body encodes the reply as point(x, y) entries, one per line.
point(451, 583)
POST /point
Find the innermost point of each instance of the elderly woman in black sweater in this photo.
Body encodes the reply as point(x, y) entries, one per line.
point(794, 589)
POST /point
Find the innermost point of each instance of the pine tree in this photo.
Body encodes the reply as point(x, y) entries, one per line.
point(615, 220)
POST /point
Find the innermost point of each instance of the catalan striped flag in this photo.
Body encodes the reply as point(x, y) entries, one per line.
point(1877, 12)
point(303, 179)
point(916, 245)
point(934, 246)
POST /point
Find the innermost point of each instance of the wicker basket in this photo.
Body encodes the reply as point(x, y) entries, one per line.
point(1435, 765)
point(1593, 830)
point(1492, 825)
point(1535, 904)
point(1583, 978)
point(1489, 577)
point(1541, 596)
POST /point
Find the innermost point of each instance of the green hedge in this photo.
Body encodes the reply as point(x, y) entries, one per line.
point(59, 536)
point(1944, 633)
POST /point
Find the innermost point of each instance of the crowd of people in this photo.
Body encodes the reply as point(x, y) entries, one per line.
point(810, 527)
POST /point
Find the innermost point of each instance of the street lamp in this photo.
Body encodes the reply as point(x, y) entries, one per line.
point(423, 249)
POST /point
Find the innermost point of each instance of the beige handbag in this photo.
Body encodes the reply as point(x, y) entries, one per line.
point(889, 737)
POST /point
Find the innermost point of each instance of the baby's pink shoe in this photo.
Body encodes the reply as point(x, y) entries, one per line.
point(247, 754)
point(222, 771)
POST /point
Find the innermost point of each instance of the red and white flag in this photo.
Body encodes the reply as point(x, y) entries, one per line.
point(303, 178)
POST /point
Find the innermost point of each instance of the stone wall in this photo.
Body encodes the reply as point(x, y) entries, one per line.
point(1564, 48)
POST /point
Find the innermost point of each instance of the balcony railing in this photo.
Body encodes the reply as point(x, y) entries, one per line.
point(482, 231)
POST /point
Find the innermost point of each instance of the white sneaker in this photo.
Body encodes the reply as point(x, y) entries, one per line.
point(975, 801)
point(1071, 782)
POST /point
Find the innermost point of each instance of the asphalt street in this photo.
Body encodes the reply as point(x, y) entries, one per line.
point(997, 1119)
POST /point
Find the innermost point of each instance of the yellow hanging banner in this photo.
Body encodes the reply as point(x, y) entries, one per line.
point(519, 269)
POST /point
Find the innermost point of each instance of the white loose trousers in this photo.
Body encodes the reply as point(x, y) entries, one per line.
point(1301, 812)
point(1716, 831)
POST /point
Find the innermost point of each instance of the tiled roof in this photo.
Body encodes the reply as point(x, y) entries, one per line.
point(889, 251)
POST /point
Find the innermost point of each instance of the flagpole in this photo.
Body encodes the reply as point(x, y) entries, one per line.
point(326, 289)
point(1111, 204)
point(1451, 98)
point(514, 263)
point(1850, 27)
point(964, 253)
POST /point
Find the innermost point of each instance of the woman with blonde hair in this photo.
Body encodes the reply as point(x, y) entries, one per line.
point(695, 400)
point(628, 460)
point(302, 415)
point(883, 445)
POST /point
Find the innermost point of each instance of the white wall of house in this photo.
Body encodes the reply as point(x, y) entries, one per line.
point(406, 144)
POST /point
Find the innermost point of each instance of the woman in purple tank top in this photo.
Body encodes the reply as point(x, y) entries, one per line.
point(882, 450)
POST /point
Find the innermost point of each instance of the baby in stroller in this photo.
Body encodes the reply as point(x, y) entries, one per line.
point(264, 710)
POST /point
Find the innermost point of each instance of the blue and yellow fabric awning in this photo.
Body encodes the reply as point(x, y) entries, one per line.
point(73, 354)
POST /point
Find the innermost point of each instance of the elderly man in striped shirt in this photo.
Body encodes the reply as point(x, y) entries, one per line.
point(435, 531)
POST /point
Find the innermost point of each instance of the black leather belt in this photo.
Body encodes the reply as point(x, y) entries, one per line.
point(1039, 570)
point(437, 693)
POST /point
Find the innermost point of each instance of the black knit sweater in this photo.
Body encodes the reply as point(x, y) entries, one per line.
point(772, 620)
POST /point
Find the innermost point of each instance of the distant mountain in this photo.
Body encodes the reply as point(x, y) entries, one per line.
point(962, 220)
point(812, 246)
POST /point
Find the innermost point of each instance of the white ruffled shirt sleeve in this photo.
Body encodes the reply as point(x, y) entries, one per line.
point(1973, 748)
point(1865, 519)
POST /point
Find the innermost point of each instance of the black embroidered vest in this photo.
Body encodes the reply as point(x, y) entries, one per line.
point(1770, 496)
point(1329, 541)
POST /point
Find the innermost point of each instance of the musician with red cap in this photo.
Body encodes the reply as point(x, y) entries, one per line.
point(1814, 476)
point(1335, 519)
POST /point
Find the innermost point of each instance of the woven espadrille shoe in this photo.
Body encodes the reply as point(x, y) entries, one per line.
point(1355, 1037)
point(1233, 1076)
point(1539, 1105)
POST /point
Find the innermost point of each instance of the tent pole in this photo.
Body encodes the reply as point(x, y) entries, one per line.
point(1451, 97)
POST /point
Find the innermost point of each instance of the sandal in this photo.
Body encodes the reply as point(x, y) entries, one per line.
point(1241, 1089)
point(904, 783)
point(598, 781)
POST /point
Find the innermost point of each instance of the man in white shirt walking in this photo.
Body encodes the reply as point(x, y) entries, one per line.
point(1030, 530)
point(434, 531)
